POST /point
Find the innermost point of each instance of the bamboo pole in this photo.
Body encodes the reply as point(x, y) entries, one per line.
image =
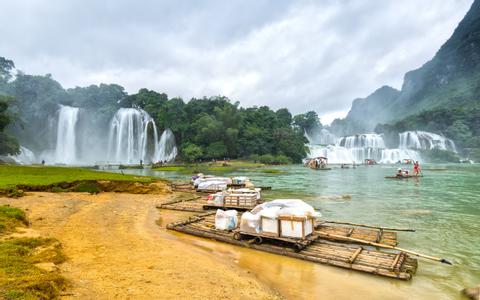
point(367, 226)
point(442, 260)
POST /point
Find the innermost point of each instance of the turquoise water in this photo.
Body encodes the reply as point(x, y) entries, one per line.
point(443, 207)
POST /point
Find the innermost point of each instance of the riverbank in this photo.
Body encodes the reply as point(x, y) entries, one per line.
point(15, 180)
point(218, 167)
point(116, 249)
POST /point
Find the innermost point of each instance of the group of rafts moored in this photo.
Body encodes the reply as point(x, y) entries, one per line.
point(288, 227)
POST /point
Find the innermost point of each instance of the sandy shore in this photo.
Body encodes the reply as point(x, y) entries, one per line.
point(115, 249)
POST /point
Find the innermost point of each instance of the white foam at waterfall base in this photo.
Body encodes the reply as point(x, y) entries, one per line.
point(25, 157)
point(66, 147)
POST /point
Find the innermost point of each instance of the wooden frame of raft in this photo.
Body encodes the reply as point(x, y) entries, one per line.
point(348, 256)
point(376, 235)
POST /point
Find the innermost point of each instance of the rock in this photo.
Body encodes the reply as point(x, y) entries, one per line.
point(47, 266)
point(472, 293)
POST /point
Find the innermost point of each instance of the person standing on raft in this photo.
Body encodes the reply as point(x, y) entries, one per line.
point(416, 168)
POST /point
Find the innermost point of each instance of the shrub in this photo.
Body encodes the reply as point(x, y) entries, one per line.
point(269, 159)
point(87, 187)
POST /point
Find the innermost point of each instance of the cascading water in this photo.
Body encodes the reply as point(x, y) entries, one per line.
point(322, 137)
point(425, 140)
point(372, 146)
point(66, 147)
point(167, 148)
point(25, 157)
point(129, 138)
point(80, 140)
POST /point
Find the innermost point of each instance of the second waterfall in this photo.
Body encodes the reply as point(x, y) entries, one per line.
point(133, 137)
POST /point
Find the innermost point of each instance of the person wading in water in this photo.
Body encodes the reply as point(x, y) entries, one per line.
point(416, 168)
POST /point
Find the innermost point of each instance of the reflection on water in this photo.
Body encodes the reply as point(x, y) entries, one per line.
point(444, 208)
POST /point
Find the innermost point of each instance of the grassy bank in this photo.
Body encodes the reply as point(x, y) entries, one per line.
point(219, 167)
point(21, 274)
point(11, 176)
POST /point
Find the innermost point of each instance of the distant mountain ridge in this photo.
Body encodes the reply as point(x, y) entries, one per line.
point(450, 79)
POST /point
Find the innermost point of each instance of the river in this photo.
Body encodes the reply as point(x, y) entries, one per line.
point(443, 207)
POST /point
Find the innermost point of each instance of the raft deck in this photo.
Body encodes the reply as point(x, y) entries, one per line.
point(199, 204)
point(349, 256)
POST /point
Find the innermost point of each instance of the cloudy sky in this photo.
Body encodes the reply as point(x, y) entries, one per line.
point(303, 55)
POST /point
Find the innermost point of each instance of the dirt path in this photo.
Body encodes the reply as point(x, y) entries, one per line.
point(116, 250)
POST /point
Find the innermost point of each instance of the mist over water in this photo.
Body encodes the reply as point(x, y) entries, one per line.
point(359, 147)
point(80, 138)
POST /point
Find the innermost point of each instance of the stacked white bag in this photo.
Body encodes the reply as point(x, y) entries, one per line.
point(226, 220)
point(250, 221)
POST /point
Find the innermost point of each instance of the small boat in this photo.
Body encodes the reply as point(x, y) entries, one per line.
point(319, 163)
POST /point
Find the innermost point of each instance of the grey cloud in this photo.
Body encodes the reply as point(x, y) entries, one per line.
point(302, 55)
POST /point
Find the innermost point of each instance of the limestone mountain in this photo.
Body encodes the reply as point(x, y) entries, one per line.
point(450, 79)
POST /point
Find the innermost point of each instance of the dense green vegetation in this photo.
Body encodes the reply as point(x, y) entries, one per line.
point(214, 127)
point(8, 145)
point(204, 128)
point(459, 124)
point(10, 176)
point(20, 278)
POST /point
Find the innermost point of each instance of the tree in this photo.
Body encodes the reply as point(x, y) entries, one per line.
point(216, 150)
point(6, 67)
point(308, 121)
point(8, 145)
point(284, 117)
point(191, 152)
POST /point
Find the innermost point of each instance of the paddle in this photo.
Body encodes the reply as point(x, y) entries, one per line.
point(340, 237)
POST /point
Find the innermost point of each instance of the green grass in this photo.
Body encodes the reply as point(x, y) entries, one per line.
point(11, 176)
point(234, 165)
point(171, 168)
point(11, 217)
point(19, 277)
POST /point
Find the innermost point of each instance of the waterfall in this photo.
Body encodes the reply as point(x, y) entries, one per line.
point(81, 139)
point(423, 140)
point(322, 137)
point(25, 157)
point(129, 138)
point(372, 146)
point(167, 148)
point(66, 148)
point(369, 140)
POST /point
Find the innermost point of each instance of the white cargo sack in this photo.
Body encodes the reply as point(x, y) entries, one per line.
point(250, 223)
point(226, 220)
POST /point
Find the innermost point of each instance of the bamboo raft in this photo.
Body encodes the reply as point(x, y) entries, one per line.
point(376, 235)
point(198, 204)
point(403, 177)
point(321, 250)
point(182, 187)
point(194, 204)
